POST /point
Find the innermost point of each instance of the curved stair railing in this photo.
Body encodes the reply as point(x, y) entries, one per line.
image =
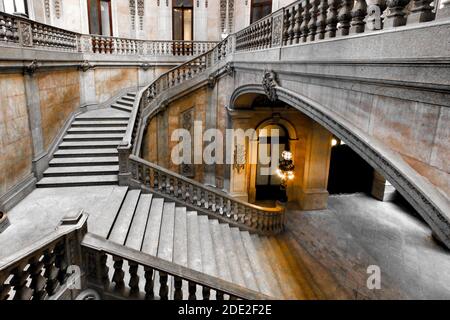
point(140, 173)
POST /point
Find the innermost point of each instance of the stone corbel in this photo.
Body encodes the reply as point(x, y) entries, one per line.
point(31, 68)
point(146, 66)
point(85, 66)
point(229, 69)
point(212, 80)
point(269, 83)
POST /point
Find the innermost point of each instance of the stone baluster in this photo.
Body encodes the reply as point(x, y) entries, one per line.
point(421, 11)
point(219, 295)
point(322, 19)
point(344, 17)
point(206, 293)
point(298, 23)
point(148, 274)
point(306, 16)
point(163, 288)
point(134, 278)
point(396, 15)
point(37, 280)
point(292, 25)
point(359, 13)
point(61, 262)
point(178, 284)
point(19, 283)
point(119, 275)
point(286, 27)
point(51, 272)
point(192, 288)
point(312, 25)
point(5, 288)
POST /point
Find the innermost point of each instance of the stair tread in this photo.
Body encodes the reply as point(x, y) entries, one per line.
point(207, 250)
point(104, 114)
point(105, 123)
point(122, 224)
point(85, 144)
point(244, 261)
point(137, 229)
point(233, 261)
point(84, 160)
point(193, 242)
point(165, 246)
point(73, 180)
point(124, 102)
point(266, 283)
point(96, 129)
point(180, 237)
point(88, 136)
point(281, 271)
point(223, 268)
point(104, 220)
point(81, 169)
point(64, 152)
point(151, 238)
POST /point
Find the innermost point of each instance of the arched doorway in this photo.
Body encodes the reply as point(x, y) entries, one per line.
point(273, 139)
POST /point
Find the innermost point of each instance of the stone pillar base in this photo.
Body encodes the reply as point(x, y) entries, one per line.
point(382, 189)
point(313, 199)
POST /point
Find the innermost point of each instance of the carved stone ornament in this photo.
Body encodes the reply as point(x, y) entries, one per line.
point(269, 83)
point(32, 67)
point(212, 80)
point(229, 69)
point(239, 158)
point(146, 66)
point(85, 66)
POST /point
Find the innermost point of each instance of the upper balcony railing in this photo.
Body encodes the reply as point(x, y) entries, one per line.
point(313, 20)
point(17, 31)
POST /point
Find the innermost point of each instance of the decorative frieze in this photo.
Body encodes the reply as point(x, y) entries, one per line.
point(187, 123)
point(58, 8)
point(132, 7)
point(141, 13)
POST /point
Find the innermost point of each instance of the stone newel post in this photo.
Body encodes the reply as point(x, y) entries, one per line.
point(124, 150)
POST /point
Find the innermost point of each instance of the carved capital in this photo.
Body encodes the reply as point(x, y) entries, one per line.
point(269, 83)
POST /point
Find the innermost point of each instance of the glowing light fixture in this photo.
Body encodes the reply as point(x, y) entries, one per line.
point(286, 172)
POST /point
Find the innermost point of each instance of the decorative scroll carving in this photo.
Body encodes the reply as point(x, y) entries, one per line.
point(374, 17)
point(229, 69)
point(85, 66)
point(269, 83)
point(146, 66)
point(26, 36)
point(31, 68)
point(187, 123)
point(277, 31)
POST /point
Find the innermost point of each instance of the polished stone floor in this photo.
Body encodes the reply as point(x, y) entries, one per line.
point(333, 246)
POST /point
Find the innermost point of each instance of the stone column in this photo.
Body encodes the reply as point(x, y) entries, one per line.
point(209, 173)
point(314, 195)
point(35, 122)
point(381, 188)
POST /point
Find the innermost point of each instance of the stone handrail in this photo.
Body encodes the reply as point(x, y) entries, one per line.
point(18, 31)
point(206, 199)
point(313, 20)
point(97, 249)
point(45, 263)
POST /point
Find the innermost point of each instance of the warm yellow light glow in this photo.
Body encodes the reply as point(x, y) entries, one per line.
point(287, 155)
point(333, 142)
point(290, 175)
point(342, 143)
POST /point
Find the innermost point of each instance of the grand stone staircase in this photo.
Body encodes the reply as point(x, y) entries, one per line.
point(157, 227)
point(88, 154)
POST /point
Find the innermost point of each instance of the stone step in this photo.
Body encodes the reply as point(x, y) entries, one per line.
point(132, 94)
point(123, 221)
point(244, 261)
point(89, 144)
point(206, 242)
point(165, 246)
point(77, 181)
point(139, 224)
point(193, 242)
point(233, 260)
point(81, 171)
point(221, 254)
point(128, 98)
point(180, 237)
point(97, 123)
point(266, 285)
point(101, 223)
point(96, 130)
point(91, 152)
point(122, 107)
point(280, 268)
point(151, 237)
point(84, 161)
point(124, 102)
point(93, 137)
point(87, 118)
